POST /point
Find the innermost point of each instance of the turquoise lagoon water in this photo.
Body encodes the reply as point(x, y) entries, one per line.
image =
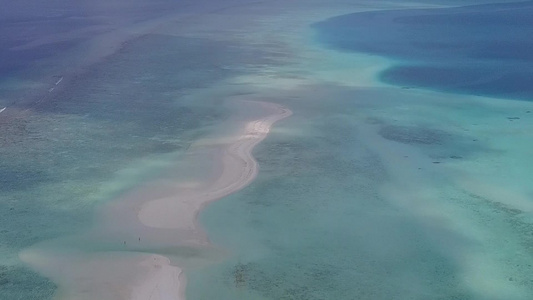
point(366, 192)
point(116, 125)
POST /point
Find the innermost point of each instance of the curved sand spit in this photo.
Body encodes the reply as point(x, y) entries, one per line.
point(131, 275)
point(239, 168)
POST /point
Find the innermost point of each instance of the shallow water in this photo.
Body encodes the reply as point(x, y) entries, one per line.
point(115, 125)
point(374, 201)
point(368, 191)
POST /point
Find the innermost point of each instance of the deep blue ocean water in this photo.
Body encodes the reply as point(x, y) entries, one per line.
point(479, 49)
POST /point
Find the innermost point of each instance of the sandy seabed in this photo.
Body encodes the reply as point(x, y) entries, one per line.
point(165, 215)
point(239, 168)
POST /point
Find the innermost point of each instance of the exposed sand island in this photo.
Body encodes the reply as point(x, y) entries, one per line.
point(238, 169)
point(165, 215)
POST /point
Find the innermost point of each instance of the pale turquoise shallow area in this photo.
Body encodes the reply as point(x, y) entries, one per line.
point(381, 193)
point(119, 124)
point(313, 225)
point(320, 222)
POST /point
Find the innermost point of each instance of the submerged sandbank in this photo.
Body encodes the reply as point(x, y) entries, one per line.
point(239, 168)
point(160, 215)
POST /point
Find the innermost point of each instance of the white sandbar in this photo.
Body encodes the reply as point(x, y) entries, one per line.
point(239, 168)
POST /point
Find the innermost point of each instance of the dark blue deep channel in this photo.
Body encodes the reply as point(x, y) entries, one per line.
point(480, 49)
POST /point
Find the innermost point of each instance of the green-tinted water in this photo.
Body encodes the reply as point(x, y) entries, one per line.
point(120, 123)
point(380, 194)
point(367, 192)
